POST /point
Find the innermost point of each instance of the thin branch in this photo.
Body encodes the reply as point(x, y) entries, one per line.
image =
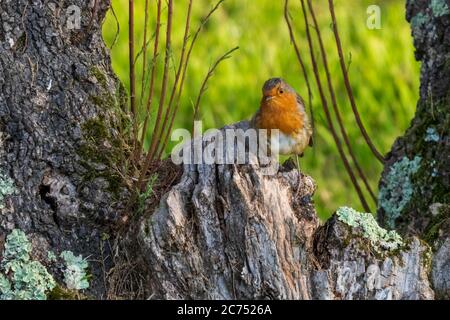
point(165, 78)
point(162, 98)
point(144, 50)
point(349, 87)
point(334, 103)
point(177, 75)
point(116, 36)
point(203, 87)
point(328, 115)
point(152, 76)
point(302, 64)
point(180, 89)
point(132, 66)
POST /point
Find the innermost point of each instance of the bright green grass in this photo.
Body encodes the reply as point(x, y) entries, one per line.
point(383, 72)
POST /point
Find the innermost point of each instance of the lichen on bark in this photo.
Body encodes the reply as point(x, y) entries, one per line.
point(428, 137)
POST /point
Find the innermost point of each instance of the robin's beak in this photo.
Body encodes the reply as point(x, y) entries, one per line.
point(269, 94)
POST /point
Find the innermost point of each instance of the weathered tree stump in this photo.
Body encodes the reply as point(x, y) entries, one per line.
point(231, 232)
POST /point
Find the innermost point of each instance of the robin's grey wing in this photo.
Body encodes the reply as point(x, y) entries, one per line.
point(300, 99)
point(302, 107)
point(255, 119)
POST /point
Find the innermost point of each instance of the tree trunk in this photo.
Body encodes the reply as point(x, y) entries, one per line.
point(231, 232)
point(59, 136)
point(415, 185)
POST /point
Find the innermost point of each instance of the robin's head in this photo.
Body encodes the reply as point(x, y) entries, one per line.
point(277, 91)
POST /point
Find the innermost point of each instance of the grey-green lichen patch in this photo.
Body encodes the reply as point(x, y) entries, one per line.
point(6, 188)
point(418, 21)
point(439, 8)
point(20, 277)
point(379, 238)
point(398, 189)
point(51, 256)
point(431, 135)
point(75, 276)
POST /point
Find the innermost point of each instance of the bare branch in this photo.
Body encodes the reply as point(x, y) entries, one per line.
point(328, 115)
point(334, 103)
point(180, 89)
point(302, 64)
point(152, 76)
point(178, 74)
point(131, 42)
point(162, 97)
point(210, 73)
point(349, 87)
point(116, 36)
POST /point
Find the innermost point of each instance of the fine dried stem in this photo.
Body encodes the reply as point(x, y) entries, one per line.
point(334, 103)
point(152, 75)
point(131, 43)
point(148, 158)
point(177, 76)
point(328, 115)
point(165, 80)
point(203, 87)
point(116, 36)
point(180, 89)
point(300, 60)
point(349, 87)
point(144, 50)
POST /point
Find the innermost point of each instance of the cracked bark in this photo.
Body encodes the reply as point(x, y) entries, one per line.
point(231, 232)
point(427, 212)
point(52, 81)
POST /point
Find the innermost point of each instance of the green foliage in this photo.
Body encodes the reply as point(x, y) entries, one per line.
point(383, 73)
point(145, 195)
point(75, 276)
point(22, 278)
point(397, 189)
point(6, 188)
point(379, 238)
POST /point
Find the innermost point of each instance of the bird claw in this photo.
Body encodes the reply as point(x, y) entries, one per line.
point(299, 184)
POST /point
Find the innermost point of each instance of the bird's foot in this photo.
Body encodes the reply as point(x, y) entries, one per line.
point(299, 184)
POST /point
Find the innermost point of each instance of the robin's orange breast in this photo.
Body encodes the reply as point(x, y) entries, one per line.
point(281, 113)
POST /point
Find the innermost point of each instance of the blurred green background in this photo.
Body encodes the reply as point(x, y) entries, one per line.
point(383, 73)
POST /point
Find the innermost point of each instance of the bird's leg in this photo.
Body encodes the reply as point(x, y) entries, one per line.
point(299, 176)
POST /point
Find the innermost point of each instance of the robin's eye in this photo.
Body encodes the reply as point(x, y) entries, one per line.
point(281, 91)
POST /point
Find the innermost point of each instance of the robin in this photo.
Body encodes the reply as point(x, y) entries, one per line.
point(283, 109)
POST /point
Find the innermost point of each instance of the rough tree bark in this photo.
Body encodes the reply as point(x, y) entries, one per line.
point(58, 116)
point(415, 185)
point(224, 231)
point(231, 232)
